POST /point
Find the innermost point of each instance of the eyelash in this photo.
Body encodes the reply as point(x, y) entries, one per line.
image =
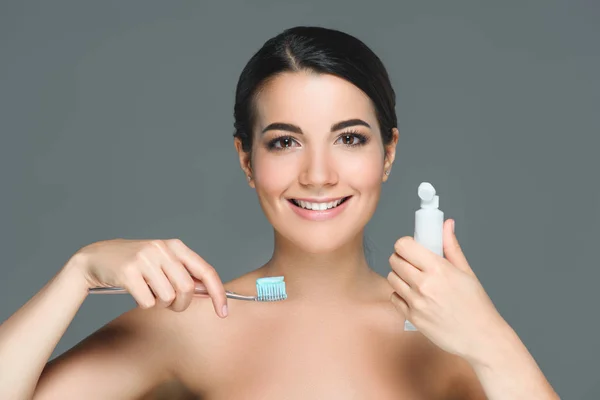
point(362, 140)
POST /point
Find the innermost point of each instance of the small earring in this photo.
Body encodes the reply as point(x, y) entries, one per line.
point(387, 172)
point(248, 178)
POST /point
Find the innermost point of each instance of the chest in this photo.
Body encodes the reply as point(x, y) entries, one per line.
point(343, 360)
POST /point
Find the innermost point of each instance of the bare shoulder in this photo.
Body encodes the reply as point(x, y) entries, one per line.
point(153, 352)
point(130, 354)
point(422, 359)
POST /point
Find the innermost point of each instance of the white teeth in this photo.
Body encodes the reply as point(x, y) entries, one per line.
point(318, 206)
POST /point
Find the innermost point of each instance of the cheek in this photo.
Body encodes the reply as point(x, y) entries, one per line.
point(364, 171)
point(273, 174)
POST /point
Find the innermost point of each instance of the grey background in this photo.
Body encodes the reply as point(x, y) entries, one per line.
point(116, 121)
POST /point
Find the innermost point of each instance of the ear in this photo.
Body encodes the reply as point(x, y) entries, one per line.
point(390, 153)
point(245, 160)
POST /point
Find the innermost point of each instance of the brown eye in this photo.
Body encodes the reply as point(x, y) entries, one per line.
point(285, 142)
point(349, 139)
point(352, 139)
point(281, 143)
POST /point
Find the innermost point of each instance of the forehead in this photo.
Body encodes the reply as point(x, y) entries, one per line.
point(312, 100)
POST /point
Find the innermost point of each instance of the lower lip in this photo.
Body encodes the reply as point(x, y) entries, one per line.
point(319, 215)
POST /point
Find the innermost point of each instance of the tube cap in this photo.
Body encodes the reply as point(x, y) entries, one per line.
point(427, 195)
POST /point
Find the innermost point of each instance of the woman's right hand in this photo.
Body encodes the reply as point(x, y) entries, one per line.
point(154, 272)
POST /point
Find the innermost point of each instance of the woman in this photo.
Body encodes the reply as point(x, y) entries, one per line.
point(315, 124)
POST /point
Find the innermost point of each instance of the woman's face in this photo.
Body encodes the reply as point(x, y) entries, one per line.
point(316, 142)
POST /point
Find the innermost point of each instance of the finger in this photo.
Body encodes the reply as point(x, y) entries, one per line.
point(201, 286)
point(157, 280)
point(408, 272)
point(400, 287)
point(415, 253)
point(400, 304)
point(138, 288)
point(178, 276)
point(203, 271)
point(452, 250)
point(183, 284)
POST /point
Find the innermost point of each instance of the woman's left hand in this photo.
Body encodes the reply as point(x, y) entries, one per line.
point(442, 297)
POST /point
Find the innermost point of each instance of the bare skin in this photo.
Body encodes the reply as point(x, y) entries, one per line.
point(293, 350)
point(279, 350)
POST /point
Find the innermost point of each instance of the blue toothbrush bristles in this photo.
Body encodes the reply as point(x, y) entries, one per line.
point(271, 289)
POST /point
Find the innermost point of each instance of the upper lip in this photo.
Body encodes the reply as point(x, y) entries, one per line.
point(321, 200)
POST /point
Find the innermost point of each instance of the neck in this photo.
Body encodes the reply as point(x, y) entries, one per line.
point(342, 274)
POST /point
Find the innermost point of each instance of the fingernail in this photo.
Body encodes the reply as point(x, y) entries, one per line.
point(453, 223)
point(225, 310)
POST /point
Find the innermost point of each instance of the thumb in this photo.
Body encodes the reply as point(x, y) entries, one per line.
point(452, 249)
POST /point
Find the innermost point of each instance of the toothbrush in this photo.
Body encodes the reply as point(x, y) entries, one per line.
point(268, 289)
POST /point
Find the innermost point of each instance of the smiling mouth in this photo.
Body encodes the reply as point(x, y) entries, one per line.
point(318, 206)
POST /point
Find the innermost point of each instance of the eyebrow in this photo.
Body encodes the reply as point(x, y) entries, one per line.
point(282, 126)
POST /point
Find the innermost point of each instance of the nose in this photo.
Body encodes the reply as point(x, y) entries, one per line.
point(318, 169)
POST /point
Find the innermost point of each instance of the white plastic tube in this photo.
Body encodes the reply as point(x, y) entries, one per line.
point(429, 226)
